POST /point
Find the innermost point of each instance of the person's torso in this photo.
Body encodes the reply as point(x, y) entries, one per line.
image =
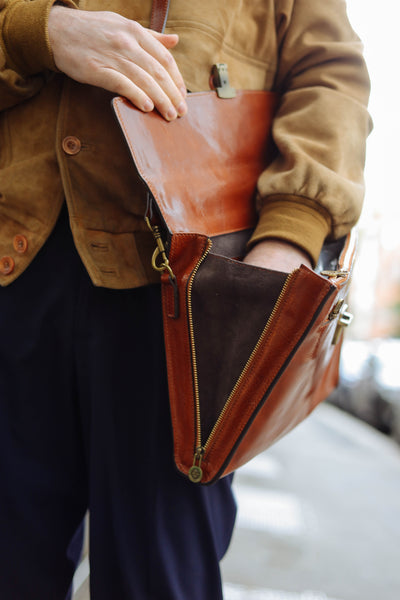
point(65, 141)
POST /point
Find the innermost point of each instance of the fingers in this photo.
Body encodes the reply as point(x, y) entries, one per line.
point(119, 55)
point(169, 40)
point(155, 71)
point(117, 83)
point(133, 88)
point(158, 86)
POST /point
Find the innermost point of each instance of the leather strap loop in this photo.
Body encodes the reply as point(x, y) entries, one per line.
point(159, 14)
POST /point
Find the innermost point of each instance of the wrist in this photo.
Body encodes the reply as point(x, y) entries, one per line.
point(278, 255)
point(26, 37)
point(295, 220)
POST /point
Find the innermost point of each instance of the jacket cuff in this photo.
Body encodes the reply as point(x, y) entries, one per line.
point(26, 37)
point(297, 220)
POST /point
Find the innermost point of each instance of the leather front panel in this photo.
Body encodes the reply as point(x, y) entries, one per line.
point(301, 306)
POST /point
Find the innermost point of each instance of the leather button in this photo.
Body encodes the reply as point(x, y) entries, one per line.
point(71, 145)
point(20, 244)
point(6, 265)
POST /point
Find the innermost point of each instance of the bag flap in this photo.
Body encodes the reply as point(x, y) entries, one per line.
point(202, 169)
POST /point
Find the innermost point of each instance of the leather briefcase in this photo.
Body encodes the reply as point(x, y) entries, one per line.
point(250, 352)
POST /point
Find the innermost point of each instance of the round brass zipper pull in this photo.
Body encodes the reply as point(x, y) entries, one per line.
point(195, 474)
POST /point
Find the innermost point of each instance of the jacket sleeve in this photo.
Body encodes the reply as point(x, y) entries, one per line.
point(314, 189)
point(25, 53)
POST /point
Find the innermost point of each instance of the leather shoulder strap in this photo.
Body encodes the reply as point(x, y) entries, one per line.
point(159, 13)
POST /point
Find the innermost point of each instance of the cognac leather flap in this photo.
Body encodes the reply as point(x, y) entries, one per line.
point(202, 169)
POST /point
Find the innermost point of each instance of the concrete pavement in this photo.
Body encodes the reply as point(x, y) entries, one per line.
point(319, 516)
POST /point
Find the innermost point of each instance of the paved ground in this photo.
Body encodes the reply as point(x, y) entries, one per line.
point(319, 517)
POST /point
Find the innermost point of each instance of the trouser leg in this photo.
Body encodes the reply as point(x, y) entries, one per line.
point(43, 477)
point(154, 535)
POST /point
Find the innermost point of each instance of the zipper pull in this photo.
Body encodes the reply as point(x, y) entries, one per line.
point(196, 472)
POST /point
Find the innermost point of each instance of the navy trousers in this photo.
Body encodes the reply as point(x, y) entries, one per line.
point(84, 423)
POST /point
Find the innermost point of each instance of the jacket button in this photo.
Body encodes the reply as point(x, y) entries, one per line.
point(71, 145)
point(20, 244)
point(6, 265)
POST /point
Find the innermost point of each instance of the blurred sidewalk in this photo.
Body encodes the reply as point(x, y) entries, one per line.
point(319, 517)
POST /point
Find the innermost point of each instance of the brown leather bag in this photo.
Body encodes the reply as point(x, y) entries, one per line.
point(250, 352)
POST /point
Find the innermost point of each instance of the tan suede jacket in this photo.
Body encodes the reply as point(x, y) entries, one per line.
point(59, 138)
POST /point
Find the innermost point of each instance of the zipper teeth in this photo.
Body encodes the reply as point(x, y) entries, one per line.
point(193, 346)
point(249, 361)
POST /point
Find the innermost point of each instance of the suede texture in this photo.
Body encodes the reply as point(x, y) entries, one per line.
point(305, 50)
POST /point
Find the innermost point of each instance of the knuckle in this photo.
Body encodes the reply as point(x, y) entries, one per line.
point(91, 65)
point(135, 28)
point(167, 60)
point(119, 88)
point(121, 41)
point(160, 74)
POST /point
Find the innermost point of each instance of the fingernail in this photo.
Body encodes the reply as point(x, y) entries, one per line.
point(148, 105)
point(171, 114)
point(182, 109)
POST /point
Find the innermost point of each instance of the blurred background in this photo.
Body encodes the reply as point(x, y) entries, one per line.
point(370, 372)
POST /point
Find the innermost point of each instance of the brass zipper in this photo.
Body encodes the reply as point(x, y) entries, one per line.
point(195, 472)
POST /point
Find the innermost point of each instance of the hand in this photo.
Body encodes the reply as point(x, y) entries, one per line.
point(106, 50)
point(277, 255)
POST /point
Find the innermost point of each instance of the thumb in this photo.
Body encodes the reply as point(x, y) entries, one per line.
point(169, 40)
